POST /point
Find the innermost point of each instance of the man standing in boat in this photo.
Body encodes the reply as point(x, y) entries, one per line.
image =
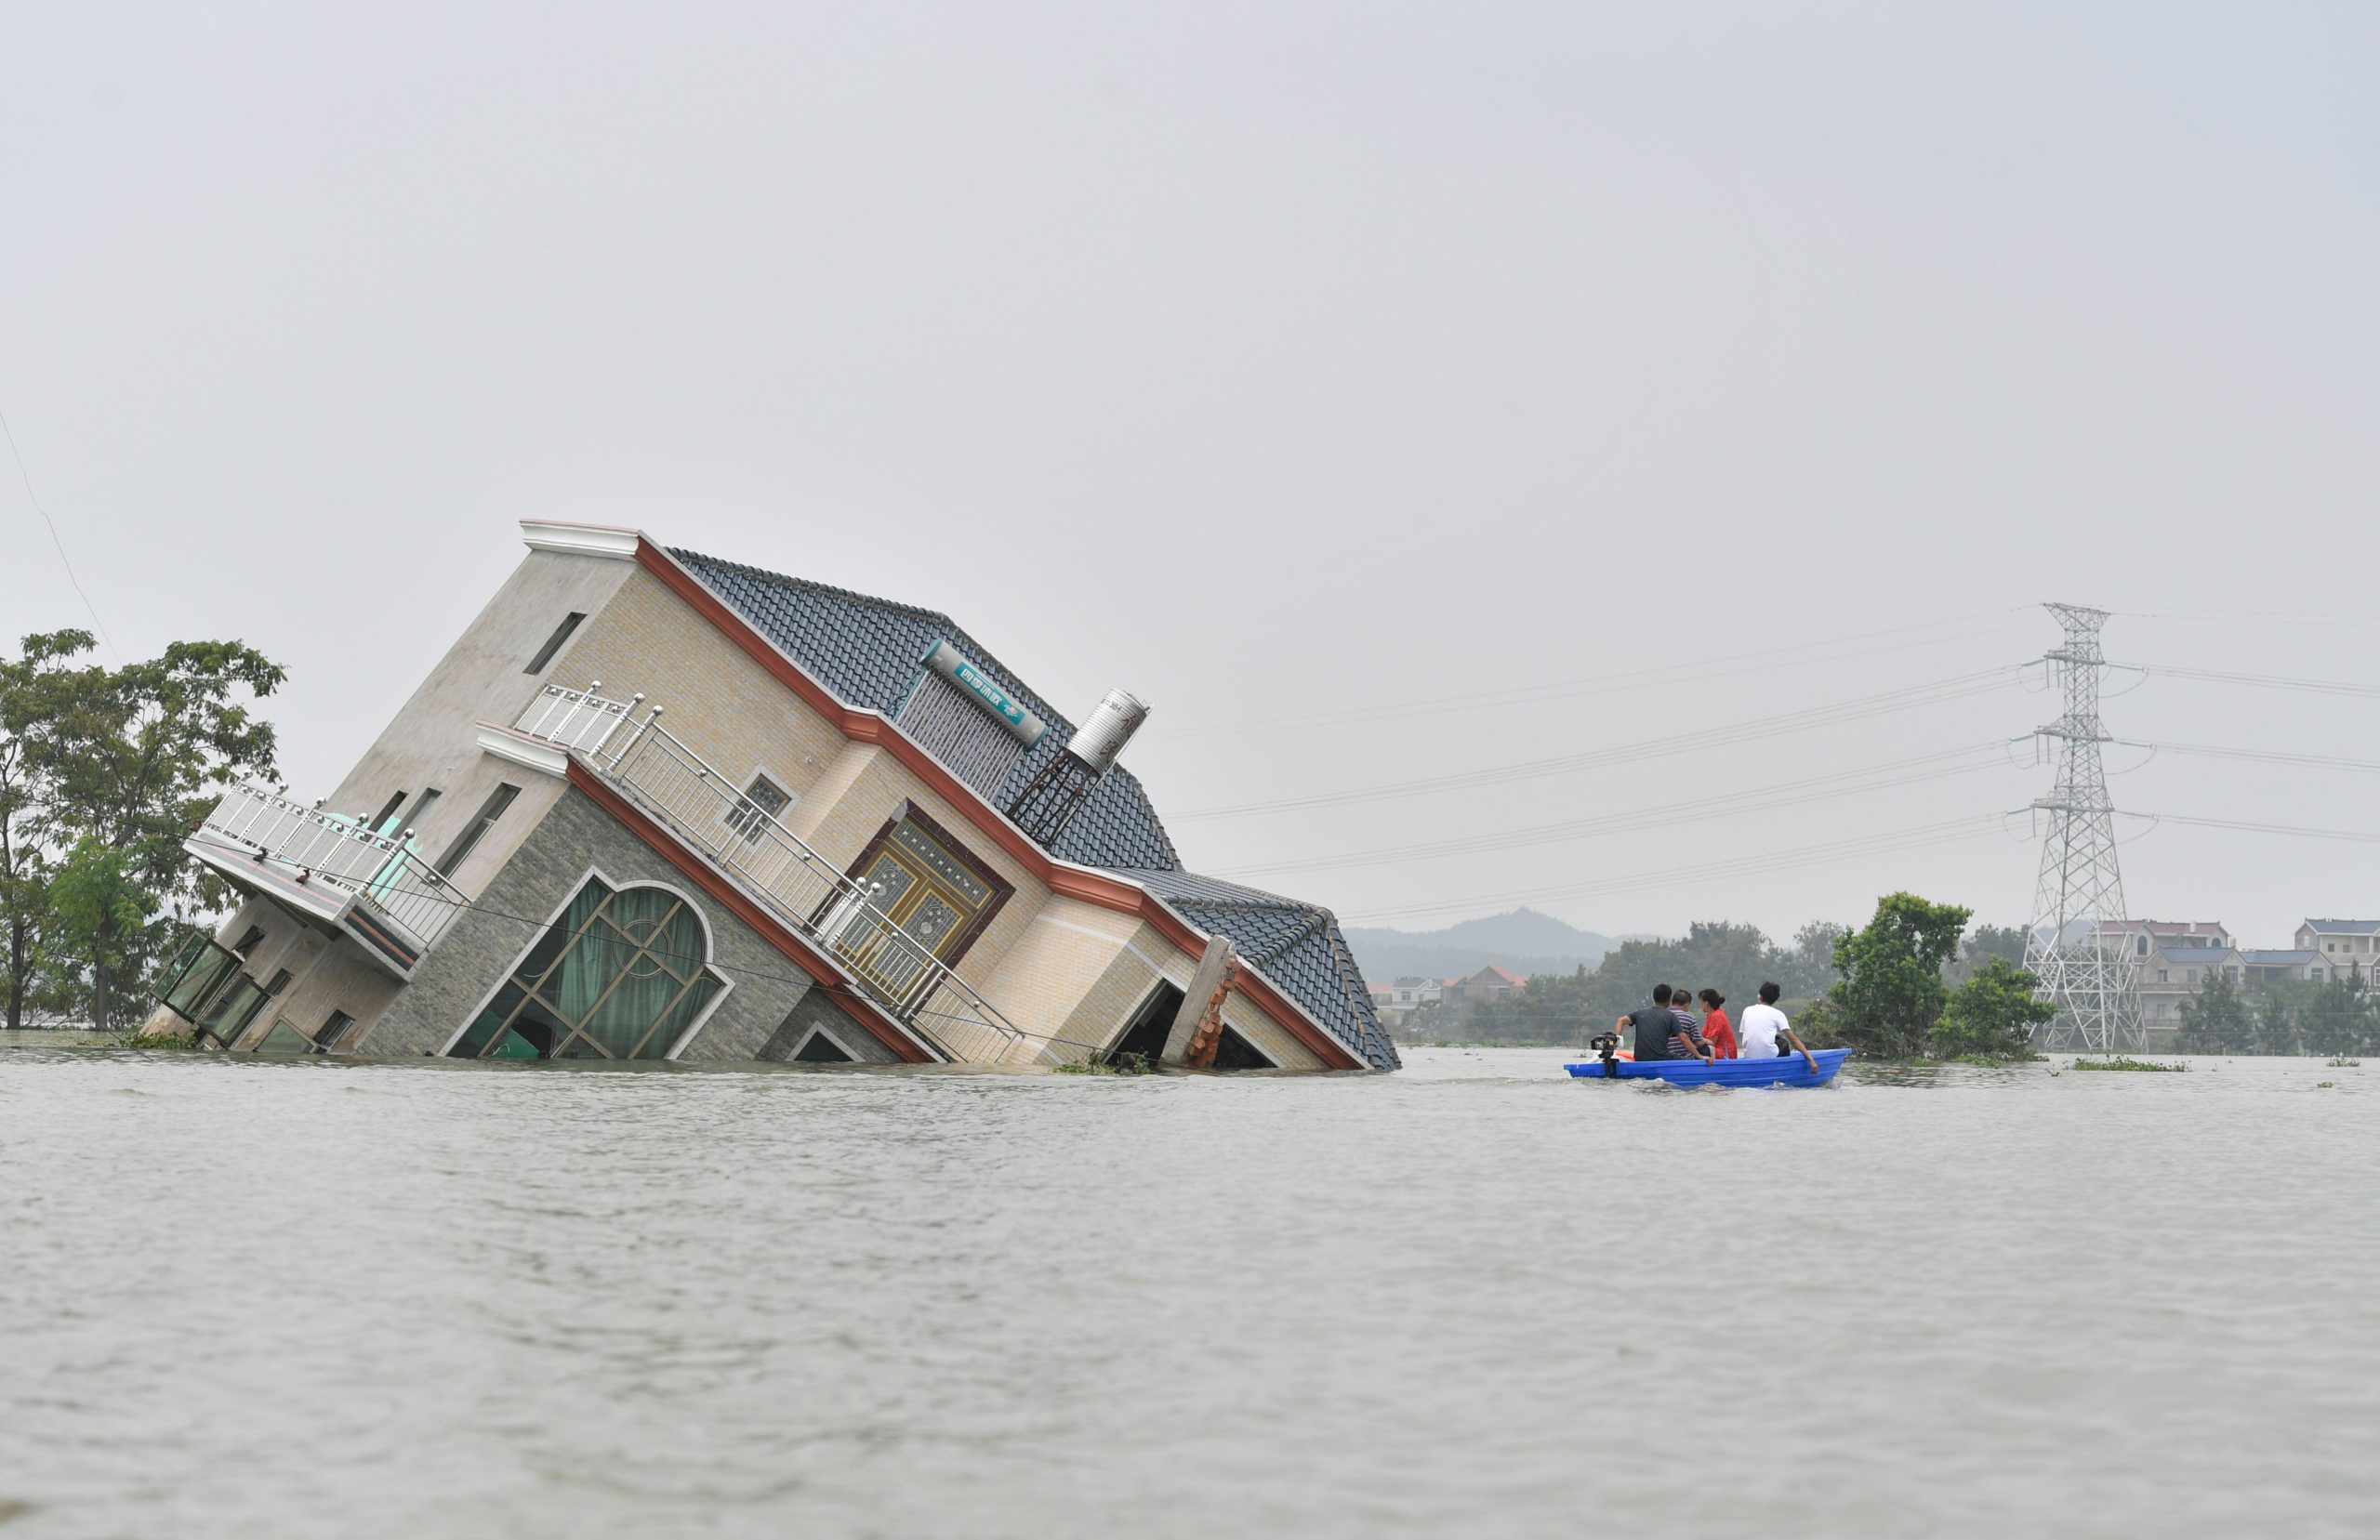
point(1660, 1033)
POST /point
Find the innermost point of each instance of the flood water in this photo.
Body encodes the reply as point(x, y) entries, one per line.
point(1473, 1298)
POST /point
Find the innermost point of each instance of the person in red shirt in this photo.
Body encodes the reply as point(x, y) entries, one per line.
point(1717, 1030)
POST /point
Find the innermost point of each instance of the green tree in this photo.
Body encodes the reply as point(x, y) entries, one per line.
point(28, 688)
point(126, 762)
point(1992, 1015)
point(1806, 969)
point(1891, 992)
point(1571, 1007)
point(2276, 1010)
point(2335, 1017)
point(2218, 1020)
point(1987, 941)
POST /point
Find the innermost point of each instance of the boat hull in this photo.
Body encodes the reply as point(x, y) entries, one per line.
point(1791, 1070)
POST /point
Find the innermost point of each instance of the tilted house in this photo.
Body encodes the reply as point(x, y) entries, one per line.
point(656, 806)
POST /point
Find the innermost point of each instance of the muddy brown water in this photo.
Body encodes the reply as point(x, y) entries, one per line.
point(1473, 1298)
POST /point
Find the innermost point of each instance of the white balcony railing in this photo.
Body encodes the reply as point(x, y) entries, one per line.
point(801, 888)
point(384, 875)
point(573, 718)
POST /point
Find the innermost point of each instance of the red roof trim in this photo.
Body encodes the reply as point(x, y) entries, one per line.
point(1074, 882)
point(804, 956)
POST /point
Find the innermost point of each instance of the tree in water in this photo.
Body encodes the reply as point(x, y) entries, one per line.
point(2217, 1019)
point(117, 765)
point(1891, 992)
point(1985, 942)
point(1993, 1014)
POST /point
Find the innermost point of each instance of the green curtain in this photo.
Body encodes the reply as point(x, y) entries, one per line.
point(689, 1004)
point(491, 1021)
point(648, 967)
point(625, 968)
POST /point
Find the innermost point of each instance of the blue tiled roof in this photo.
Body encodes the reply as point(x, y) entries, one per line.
point(866, 650)
point(2345, 928)
point(2281, 959)
point(1297, 945)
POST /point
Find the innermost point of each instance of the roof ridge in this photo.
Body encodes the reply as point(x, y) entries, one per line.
point(879, 600)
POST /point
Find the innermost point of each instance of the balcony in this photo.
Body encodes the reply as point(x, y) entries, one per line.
point(329, 869)
point(707, 813)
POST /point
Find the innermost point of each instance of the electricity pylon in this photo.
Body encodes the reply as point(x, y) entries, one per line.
point(2085, 965)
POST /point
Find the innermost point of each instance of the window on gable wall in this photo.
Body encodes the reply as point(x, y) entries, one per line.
point(759, 802)
point(554, 643)
point(490, 810)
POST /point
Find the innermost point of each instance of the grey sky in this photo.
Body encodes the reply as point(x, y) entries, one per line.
point(1266, 359)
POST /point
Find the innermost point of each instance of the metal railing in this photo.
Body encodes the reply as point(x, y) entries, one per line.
point(572, 719)
point(801, 888)
point(386, 876)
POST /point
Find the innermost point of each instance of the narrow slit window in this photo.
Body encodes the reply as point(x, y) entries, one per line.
point(280, 982)
point(248, 943)
point(380, 820)
point(553, 643)
point(762, 801)
point(490, 810)
point(332, 1029)
point(421, 809)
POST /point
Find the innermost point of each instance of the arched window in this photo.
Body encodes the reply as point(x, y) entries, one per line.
point(619, 975)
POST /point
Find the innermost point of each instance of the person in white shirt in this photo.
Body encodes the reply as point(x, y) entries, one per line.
point(1763, 1028)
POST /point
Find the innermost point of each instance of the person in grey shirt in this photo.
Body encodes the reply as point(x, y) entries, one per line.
point(1658, 1031)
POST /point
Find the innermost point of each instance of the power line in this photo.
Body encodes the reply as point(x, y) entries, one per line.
point(27, 477)
point(1658, 677)
point(1908, 698)
point(2289, 617)
point(1913, 838)
point(2291, 830)
point(1929, 767)
point(2263, 682)
point(2275, 757)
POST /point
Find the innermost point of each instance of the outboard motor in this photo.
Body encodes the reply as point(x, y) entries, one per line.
point(1607, 1047)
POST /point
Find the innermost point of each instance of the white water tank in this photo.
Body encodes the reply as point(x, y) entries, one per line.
point(1100, 739)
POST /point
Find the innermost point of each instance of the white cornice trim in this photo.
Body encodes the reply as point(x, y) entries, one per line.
point(604, 540)
point(523, 750)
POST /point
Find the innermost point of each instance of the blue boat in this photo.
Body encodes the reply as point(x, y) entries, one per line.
point(1790, 1070)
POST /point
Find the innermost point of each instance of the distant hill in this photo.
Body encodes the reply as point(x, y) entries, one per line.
point(1524, 941)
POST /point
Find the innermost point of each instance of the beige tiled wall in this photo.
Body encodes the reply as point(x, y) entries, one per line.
point(720, 703)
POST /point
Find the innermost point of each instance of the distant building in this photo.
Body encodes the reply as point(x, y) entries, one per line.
point(2145, 935)
point(2171, 973)
point(1489, 983)
point(2348, 947)
point(1395, 1002)
point(2265, 967)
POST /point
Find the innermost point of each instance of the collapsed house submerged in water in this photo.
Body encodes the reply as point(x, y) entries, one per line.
point(656, 806)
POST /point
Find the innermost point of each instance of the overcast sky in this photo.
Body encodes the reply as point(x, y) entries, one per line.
point(1278, 361)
